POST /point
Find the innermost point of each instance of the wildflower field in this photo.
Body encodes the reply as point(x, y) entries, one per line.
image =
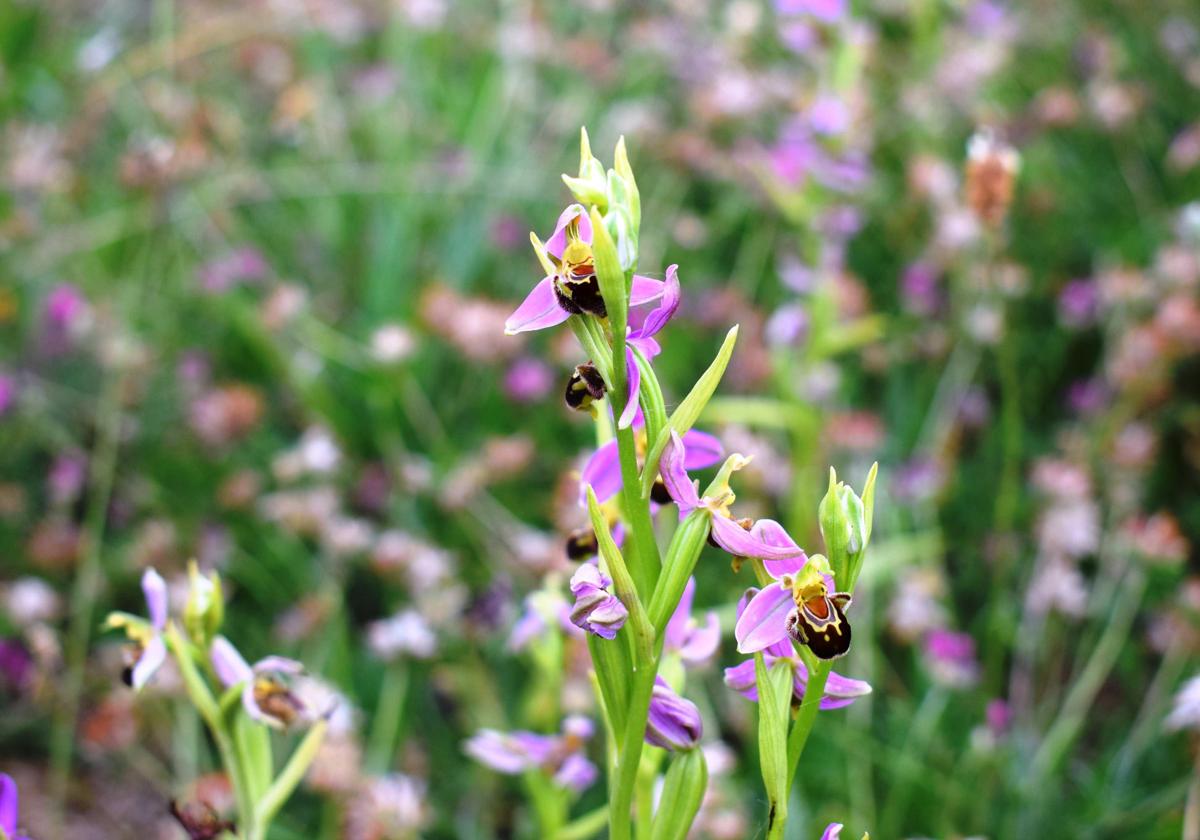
point(826, 462)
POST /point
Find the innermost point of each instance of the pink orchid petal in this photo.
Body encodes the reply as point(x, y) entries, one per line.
point(658, 318)
point(703, 450)
point(538, 311)
point(633, 376)
point(155, 590)
point(230, 666)
point(603, 473)
point(675, 476)
point(557, 243)
point(677, 627)
point(742, 679)
point(742, 543)
point(702, 641)
point(645, 289)
point(764, 620)
point(832, 831)
point(152, 658)
point(770, 532)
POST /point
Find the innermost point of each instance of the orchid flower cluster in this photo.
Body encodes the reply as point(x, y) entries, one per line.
point(632, 598)
point(241, 703)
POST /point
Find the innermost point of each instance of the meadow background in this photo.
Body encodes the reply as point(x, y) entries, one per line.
point(255, 261)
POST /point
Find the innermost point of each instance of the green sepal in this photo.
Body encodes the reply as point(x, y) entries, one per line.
point(688, 411)
point(621, 164)
point(682, 553)
point(610, 276)
point(610, 660)
point(682, 792)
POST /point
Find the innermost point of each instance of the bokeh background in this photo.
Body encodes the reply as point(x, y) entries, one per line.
point(256, 259)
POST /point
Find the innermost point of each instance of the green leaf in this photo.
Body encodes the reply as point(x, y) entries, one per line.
point(682, 792)
point(774, 696)
point(643, 633)
point(683, 552)
point(253, 744)
point(688, 411)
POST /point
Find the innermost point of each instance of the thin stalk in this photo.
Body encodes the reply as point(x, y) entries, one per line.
point(83, 595)
point(584, 827)
point(630, 752)
point(807, 716)
point(1191, 811)
point(1073, 713)
point(388, 713)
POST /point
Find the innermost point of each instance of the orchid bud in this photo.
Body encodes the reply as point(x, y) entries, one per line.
point(845, 520)
point(205, 608)
point(591, 186)
point(673, 723)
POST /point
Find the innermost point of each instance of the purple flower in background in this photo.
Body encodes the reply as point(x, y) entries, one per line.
point(559, 756)
point(739, 538)
point(1079, 303)
point(674, 723)
point(9, 808)
point(66, 317)
point(825, 10)
point(839, 691)
point(149, 650)
point(572, 288)
point(543, 609)
point(787, 326)
point(951, 658)
point(8, 393)
point(1087, 396)
point(919, 288)
point(596, 609)
point(15, 664)
point(642, 339)
point(238, 266)
point(695, 643)
point(65, 307)
point(828, 114)
point(603, 470)
point(265, 695)
point(528, 380)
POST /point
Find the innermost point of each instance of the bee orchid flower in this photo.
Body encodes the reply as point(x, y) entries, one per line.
point(570, 286)
point(801, 604)
point(148, 650)
point(266, 696)
point(839, 691)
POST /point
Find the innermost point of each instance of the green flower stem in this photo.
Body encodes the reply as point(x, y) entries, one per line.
point(584, 827)
point(807, 716)
point(389, 711)
point(637, 511)
point(210, 711)
point(1074, 712)
point(285, 783)
point(83, 594)
point(630, 752)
